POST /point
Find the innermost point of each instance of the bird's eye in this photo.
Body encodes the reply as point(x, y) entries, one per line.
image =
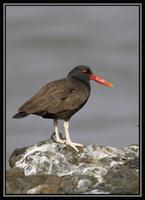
point(84, 70)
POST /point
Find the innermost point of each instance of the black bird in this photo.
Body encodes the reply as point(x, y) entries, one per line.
point(62, 98)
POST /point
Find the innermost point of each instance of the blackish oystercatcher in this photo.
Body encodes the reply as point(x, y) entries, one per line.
point(62, 98)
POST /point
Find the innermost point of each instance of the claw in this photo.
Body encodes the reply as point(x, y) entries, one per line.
point(73, 145)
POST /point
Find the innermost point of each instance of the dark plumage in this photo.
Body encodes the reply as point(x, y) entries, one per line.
point(57, 100)
point(60, 99)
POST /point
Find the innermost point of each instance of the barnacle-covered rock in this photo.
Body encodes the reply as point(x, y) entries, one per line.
point(52, 168)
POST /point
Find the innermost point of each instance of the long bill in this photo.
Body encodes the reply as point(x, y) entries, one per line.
point(100, 80)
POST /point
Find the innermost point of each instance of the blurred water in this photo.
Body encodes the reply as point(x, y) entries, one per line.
point(44, 43)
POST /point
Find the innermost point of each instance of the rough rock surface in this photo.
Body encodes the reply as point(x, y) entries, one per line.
point(51, 168)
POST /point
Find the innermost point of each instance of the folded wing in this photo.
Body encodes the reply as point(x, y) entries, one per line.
point(56, 96)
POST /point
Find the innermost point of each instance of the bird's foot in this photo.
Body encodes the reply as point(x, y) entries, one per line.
point(73, 145)
point(58, 140)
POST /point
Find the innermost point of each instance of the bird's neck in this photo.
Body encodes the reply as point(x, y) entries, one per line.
point(81, 79)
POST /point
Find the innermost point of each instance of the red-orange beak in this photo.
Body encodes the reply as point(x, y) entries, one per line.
point(100, 80)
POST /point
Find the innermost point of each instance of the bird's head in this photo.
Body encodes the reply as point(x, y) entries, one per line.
point(85, 74)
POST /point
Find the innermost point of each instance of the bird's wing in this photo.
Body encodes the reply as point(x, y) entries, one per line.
point(56, 97)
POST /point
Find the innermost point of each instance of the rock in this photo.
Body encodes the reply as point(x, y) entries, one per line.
point(51, 168)
point(18, 183)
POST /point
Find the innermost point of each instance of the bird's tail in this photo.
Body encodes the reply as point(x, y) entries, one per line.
point(20, 115)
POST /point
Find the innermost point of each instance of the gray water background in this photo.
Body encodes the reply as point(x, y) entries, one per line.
point(43, 43)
